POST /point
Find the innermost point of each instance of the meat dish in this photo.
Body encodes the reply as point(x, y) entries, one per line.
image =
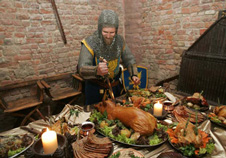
point(135, 118)
point(92, 146)
point(13, 144)
point(218, 115)
point(182, 113)
point(190, 140)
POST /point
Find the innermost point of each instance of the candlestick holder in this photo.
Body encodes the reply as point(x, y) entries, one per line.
point(61, 151)
point(162, 117)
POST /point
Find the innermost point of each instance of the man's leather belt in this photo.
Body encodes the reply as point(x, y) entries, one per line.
point(103, 84)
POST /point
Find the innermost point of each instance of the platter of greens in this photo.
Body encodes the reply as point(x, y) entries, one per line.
point(117, 132)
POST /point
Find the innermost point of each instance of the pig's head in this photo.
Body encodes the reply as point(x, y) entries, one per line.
point(106, 105)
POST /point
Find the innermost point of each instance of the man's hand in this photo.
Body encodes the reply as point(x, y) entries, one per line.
point(136, 80)
point(102, 68)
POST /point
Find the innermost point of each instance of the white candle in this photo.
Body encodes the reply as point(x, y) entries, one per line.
point(49, 142)
point(158, 109)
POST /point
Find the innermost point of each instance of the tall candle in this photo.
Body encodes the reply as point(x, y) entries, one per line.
point(49, 142)
point(158, 109)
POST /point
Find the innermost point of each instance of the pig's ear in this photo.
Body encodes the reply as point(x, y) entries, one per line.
point(104, 104)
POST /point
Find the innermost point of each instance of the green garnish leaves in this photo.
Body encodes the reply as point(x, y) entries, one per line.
point(188, 150)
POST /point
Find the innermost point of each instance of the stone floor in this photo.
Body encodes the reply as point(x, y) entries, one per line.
point(8, 122)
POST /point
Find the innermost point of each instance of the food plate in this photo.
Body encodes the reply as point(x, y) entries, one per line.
point(132, 145)
point(127, 152)
point(214, 119)
point(181, 113)
point(17, 140)
point(217, 115)
point(180, 151)
point(201, 108)
point(118, 132)
point(24, 149)
point(198, 106)
point(219, 124)
point(190, 150)
point(91, 145)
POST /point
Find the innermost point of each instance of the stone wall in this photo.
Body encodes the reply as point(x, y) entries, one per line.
point(158, 31)
point(31, 46)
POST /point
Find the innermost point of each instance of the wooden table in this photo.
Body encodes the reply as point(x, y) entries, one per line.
point(218, 134)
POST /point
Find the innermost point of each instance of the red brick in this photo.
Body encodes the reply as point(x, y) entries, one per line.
point(181, 32)
point(194, 9)
point(6, 4)
point(169, 12)
point(25, 51)
point(206, 7)
point(1, 41)
point(22, 17)
point(185, 10)
point(6, 22)
point(161, 61)
point(36, 62)
point(22, 57)
point(186, 3)
point(19, 35)
point(18, 4)
point(45, 11)
point(36, 17)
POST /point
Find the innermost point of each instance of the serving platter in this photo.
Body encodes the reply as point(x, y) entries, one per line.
point(189, 148)
point(129, 152)
point(181, 113)
point(132, 145)
point(215, 120)
point(24, 149)
point(219, 124)
point(16, 138)
point(199, 104)
point(89, 147)
point(201, 109)
point(180, 151)
point(118, 132)
point(217, 115)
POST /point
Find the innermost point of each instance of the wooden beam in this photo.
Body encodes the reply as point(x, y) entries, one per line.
point(59, 24)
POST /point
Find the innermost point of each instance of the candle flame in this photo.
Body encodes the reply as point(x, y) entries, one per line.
point(47, 129)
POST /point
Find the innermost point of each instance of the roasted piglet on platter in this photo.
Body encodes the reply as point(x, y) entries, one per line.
point(128, 125)
point(135, 118)
point(182, 113)
point(189, 140)
point(197, 102)
point(218, 115)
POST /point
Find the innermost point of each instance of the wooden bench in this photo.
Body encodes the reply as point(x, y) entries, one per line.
point(29, 102)
point(62, 86)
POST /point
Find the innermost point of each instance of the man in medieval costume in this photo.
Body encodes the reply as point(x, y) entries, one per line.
point(100, 58)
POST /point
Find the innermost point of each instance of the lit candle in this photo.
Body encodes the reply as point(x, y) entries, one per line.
point(158, 109)
point(49, 142)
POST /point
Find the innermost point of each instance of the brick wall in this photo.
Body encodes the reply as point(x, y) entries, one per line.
point(30, 42)
point(158, 31)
